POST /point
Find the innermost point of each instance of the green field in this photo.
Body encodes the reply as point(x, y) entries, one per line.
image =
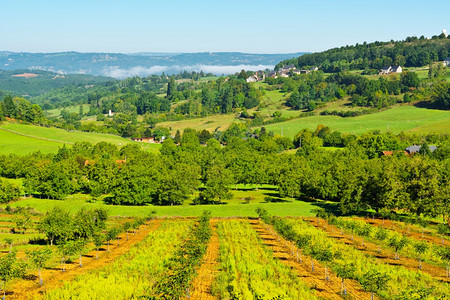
point(14, 143)
point(23, 139)
point(396, 120)
point(71, 109)
point(235, 207)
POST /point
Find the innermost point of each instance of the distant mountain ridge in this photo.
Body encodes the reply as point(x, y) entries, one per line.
point(120, 65)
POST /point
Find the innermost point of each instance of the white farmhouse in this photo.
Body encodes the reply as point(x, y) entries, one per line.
point(447, 62)
point(396, 69)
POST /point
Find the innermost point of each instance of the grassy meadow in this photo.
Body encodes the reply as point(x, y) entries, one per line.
point(397, 119)
point(71, 109)
point(23, 139)
point(19, 144)
point(244, 202)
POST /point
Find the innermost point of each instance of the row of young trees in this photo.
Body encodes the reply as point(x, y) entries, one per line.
point(71, 233)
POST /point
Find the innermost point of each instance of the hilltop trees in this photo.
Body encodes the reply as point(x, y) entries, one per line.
point(21, 109)
point(8, 107)
point(410, 53)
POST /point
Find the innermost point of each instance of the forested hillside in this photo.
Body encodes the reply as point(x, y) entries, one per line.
point(412, 52)
point(31, 83)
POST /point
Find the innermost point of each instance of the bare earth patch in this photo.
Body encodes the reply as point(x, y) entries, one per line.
point(26, 75)
point(201, 285)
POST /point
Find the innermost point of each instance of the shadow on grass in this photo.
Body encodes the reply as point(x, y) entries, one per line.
point(38, 241)
point(247, 189)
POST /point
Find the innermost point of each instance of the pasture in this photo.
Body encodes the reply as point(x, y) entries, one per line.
point(23, 139)
point(243, 204)
point(397, 119)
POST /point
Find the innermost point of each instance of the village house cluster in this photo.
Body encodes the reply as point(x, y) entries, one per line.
point(285, 71)
point(410, 151)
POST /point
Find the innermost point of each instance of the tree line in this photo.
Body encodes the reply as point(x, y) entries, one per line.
point(356, 176)
point(411, 52)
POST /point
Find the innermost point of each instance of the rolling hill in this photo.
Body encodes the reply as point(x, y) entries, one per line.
point(23, 139)
point(142, 64)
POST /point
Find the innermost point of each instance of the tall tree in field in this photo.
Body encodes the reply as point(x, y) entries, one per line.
point(177, 184)
point(8, 107)
point(39, 257)
point(111, 234)
point(171, 88)
point(57, 225)
point(398, 244)
point(10, 268)
point(420, 248)
point(423, 185)
point(444, 253)
point(217, 185)
point(374, 281)
point(325, 255)
point(98, 239)
point(345, 271)
point(65, 249)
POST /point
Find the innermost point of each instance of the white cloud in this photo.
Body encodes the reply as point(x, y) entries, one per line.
point(219, 70)
point(135, 71)
point(116, 72)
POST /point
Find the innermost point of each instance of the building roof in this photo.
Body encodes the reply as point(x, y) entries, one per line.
point(389, 153)
point(288, 67)
point(447, 59)
point(386, 68)
point(415, 148)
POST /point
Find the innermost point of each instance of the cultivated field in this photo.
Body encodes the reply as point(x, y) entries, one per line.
point(257, 258)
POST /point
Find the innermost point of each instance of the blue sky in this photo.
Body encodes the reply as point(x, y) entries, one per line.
point(277, 26)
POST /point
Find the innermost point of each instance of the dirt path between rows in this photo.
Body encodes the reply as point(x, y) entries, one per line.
point(412, 233)
point(206, 274)
point(384, 255)
point(54, 277)
point(287, 253)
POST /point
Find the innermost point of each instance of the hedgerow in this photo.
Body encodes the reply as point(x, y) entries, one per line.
point(181, 268)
